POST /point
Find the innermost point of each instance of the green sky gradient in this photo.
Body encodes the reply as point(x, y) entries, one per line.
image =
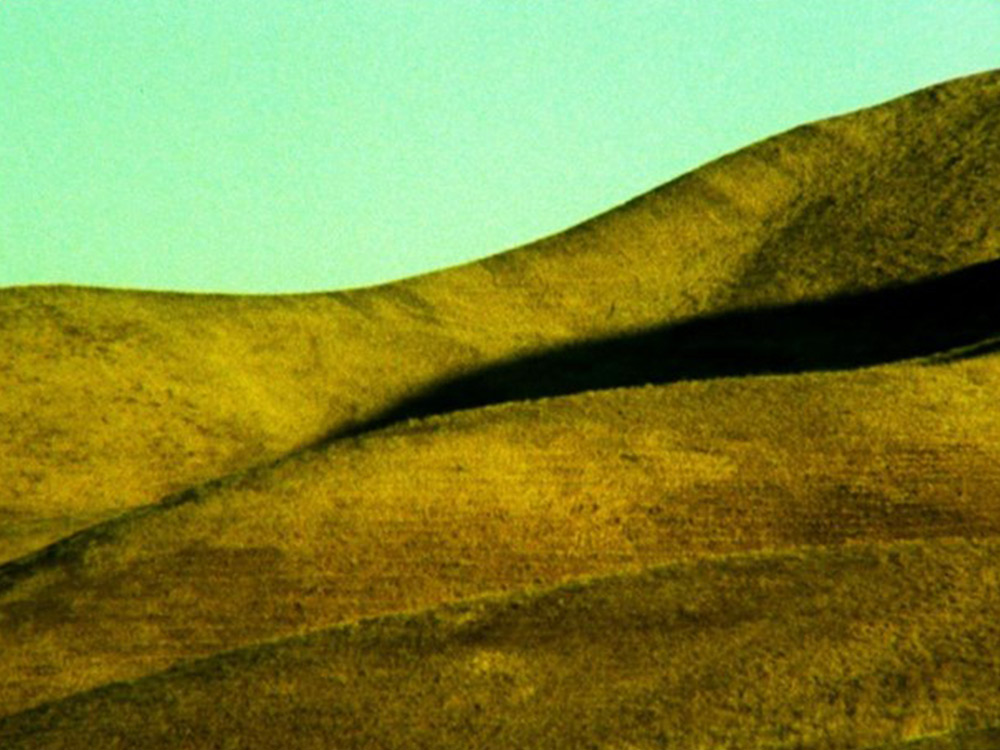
point(266, 146)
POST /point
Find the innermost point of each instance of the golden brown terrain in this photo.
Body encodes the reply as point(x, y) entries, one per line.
point(113, 399)
point(791, 649)
point(718, 468)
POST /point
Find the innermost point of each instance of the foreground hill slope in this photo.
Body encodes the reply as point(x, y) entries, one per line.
point(718, 468)
point(496, 499)
point(114, 399)
point(801, 649)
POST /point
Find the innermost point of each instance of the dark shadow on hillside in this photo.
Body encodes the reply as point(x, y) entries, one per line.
point(921, 319)
point(979, 349)
point(954, 317)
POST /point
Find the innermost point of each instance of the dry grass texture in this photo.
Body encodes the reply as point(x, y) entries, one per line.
point(723, 557)
point(110, 400)
point(792, 649)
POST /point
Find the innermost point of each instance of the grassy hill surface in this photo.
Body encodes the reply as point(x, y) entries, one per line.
point(798, 649)
point(115, 399)
point(718, 468)
point(494, 499)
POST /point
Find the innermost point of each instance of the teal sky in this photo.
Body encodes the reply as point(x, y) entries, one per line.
point(300, 145)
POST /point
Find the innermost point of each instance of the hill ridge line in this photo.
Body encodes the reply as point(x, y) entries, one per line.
point(198, 386)
point(944, 297)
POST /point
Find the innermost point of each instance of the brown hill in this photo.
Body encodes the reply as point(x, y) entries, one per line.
point(496, 499)
point(113, 399)
point(775, 376)
point(800, 649)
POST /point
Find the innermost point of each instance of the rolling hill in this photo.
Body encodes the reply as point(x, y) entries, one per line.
point(718, 468)
point(486, 500)
point(798, 649)
point(113, 399)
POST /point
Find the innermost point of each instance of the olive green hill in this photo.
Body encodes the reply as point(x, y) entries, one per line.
point(496, 499)
point(801, 649)
point(114, 399)
point(719, 468)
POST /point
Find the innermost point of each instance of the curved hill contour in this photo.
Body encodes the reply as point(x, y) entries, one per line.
point(489, 500)
point(720, 467)
point(791, 650)
point(114, 399)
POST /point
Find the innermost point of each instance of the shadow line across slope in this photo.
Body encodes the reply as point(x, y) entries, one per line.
point(957, 311)
point(953, 316)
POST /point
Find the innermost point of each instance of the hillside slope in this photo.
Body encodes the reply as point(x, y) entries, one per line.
point(495, 499)
point(718, 468)
point(800, 649)
point(114, 399)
